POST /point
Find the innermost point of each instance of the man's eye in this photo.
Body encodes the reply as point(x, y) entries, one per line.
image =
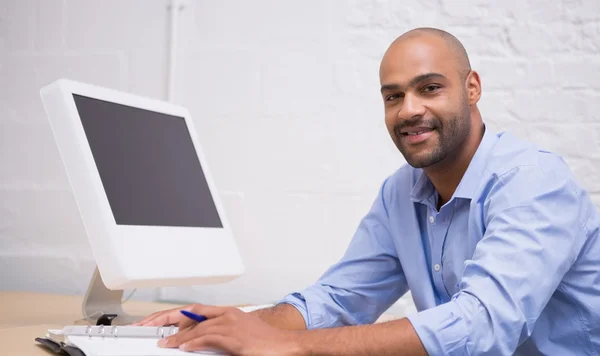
point(431, 88)
point(392, 97)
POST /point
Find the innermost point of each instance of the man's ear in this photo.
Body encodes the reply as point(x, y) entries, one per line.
point(473, 84)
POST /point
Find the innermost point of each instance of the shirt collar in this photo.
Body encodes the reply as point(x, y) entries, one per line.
point(423, 188)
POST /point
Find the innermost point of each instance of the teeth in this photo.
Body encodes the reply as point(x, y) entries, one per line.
point(416, 133)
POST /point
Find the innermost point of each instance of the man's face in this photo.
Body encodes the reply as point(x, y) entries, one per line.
point(425, 97)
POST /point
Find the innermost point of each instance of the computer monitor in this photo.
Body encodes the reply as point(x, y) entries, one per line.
point(144, 191)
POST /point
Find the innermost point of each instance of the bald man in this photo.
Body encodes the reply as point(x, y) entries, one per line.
point(493, 236)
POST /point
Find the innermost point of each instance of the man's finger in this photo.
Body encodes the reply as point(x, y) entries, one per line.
point(165, 317)
point(170, 318)
point(213, 342)
point(148, 318)
point(186, 323)
point(210, 312)
point(209, 326)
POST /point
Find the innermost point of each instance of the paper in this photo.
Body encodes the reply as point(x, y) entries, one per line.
point(126, 347)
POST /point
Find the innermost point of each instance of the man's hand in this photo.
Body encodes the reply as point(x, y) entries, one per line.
point(267, 332)
point(282, 316)
point(169, 317)
point(227, 329)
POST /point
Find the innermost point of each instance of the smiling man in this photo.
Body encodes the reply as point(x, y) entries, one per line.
point(493, 236)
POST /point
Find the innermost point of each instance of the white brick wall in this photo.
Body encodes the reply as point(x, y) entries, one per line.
point(285, 99)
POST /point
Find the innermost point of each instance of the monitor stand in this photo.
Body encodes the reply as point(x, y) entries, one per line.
point(103, 306)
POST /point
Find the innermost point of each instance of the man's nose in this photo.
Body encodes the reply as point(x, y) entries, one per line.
point(412, 106)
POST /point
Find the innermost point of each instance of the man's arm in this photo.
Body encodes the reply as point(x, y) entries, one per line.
point(239, 333)
point(534, 231)
point(394, 338)
point(365, 281)
point(282, 316)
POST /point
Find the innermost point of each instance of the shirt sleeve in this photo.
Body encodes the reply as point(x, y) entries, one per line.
point(363, 284)
point(534, 231)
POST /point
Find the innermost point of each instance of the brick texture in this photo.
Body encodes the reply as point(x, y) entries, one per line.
point(286, 102)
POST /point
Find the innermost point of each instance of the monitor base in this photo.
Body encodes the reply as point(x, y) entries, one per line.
point(103, 306)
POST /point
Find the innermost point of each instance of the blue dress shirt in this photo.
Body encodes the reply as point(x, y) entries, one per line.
point(509, 265)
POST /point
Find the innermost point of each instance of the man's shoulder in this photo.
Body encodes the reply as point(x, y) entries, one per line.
point(519, 170)
point(512, 154)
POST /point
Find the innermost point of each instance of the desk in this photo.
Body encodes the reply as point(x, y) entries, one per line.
point(25, 316)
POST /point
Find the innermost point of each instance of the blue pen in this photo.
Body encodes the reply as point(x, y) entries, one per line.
point(193, 316)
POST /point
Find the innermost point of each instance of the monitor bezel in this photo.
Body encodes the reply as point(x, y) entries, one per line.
point(133, 256)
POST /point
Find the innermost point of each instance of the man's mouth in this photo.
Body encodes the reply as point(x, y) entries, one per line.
point(416, 133)
point(413, 131)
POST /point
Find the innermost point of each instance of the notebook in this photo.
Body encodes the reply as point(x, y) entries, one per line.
point(107, 340)
point(101, 340)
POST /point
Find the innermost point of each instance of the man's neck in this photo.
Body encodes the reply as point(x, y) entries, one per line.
point(445, 176)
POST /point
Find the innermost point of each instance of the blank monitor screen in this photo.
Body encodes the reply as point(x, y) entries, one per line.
point(148, 166)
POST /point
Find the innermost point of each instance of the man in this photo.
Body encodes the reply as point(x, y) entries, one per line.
point(493, 236)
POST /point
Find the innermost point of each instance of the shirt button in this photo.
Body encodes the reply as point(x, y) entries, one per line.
point(431, 219)
point(436, 267)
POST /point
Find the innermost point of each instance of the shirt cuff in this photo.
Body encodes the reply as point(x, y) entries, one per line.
point(443, 329)
point(313, 307)
point(297, 301)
